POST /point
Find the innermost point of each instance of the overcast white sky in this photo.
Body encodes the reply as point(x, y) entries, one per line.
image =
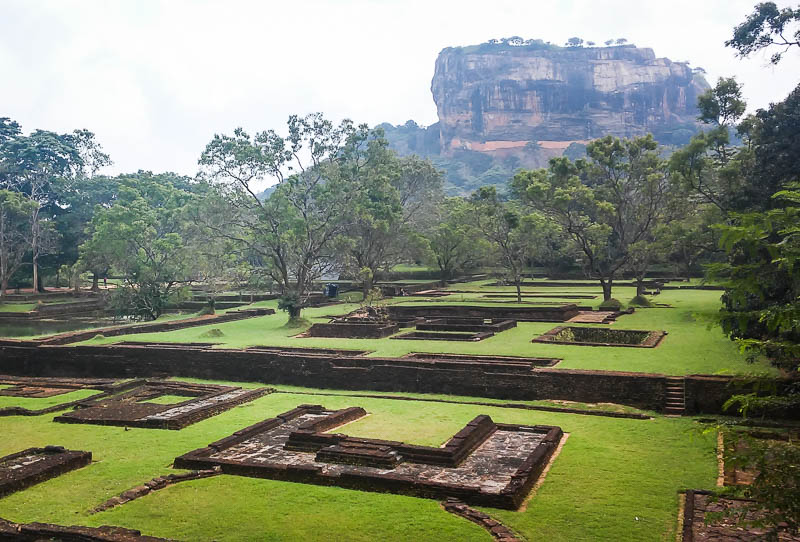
point(156, 79)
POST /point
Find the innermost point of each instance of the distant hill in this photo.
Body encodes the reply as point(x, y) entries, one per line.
point(511, 104)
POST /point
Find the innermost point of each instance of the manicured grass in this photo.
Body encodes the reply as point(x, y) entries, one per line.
point(17, 307)
point(36, 403)
point(609, 472)
point(692, 346)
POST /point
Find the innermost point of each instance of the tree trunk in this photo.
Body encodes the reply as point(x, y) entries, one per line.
point(517, 281)
point(35, 285)
point(294, 313)
point(366, 287)
point(3, 287)
point(95, 282)
point(606, 284)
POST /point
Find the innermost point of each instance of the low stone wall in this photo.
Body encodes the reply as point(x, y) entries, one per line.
point(352, 373)
point(36, 532)
point(704, 394)
point(147, 327)
point(559, 313)
point(352, 330)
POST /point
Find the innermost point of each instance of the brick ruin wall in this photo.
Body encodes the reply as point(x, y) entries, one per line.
point(704, 394)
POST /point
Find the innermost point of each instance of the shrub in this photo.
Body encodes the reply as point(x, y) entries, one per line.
point(640, 301)
point(612, 304)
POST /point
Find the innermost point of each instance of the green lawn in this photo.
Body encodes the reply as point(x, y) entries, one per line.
point(17, 307)
point(609, 473)
point(692, 347)
point(36, 403)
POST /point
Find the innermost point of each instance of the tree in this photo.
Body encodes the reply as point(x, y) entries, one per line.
point(609, 43)
point(761, 312)
point(39, 165)
point(605, 204)
point(143, 236)
point(722, 105)
point(767, 26)
point(574, 42)
point(514, 237)
point(15, 230)
point(621, 41)
point(399, 196)
point(709, 165)
point(453, 243)
point(692, 238)
point(318, 168)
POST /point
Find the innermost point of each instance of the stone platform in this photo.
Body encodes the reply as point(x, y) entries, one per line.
point(485, 463)
point(28, 467)
point(131, 408)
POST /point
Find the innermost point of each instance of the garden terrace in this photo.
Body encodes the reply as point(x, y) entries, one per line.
point(560, 313)
point(28, 467)
point(139, 407)
point(489, 361)
point(147, 327)
point(724, 526)
point(353, 328)
point(485, 463)
point(431, 293)
point(640, 390)
point(325, 352)
point(466, 324)
point(592, 336)
point(542, 296)
point(445, 335)
point(68, 392)
point(576, 284)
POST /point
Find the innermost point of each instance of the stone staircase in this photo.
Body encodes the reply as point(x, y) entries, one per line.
point(675, 402)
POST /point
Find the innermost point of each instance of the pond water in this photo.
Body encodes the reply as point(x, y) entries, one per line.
point(32, 328)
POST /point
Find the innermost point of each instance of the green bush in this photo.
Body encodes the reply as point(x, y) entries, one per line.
point(640, 301)
point(612, 304)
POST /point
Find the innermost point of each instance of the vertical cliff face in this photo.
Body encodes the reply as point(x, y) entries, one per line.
point(500, 98)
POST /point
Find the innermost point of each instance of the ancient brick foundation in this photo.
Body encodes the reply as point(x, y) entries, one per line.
point(582, 336)
point(130, 409)
point(28, 467)
point(698, 503)
point(558, 313)
point(485, 463)
point(353, 330)
point(444, 375)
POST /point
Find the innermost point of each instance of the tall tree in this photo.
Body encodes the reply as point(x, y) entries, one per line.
point(399, 196)
point(605, 204)
point(15, 230)
point(318, 168)
point(515, 237)
point(767, 27)
point(709, 165)
point(143, 235)
point(453, 242)
point(39, 165)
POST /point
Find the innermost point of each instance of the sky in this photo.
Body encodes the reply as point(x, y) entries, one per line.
point(155, 80)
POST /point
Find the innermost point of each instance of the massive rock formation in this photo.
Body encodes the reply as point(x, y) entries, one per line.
point(509, 105)
point(498, 96)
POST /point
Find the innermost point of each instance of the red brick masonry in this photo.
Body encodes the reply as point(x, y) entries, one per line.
point(486, 463)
